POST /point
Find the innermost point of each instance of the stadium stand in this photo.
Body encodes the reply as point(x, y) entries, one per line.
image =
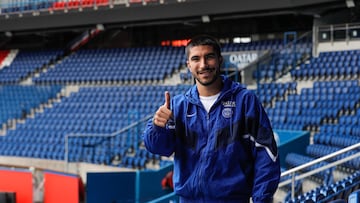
point(18, 101)
point(106, 109)
point(91, 110)
point(330, 65)
point(26, 64)
point(330, 107)
point(112, 66)
point(284, 58)
point(26, 6)
point(88, 106)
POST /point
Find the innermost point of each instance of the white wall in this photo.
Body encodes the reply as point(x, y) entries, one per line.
point(338, 46)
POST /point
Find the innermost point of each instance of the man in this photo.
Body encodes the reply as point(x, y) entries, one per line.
point(222, 140)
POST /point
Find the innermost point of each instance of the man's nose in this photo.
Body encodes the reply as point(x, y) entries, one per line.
point(203, 62)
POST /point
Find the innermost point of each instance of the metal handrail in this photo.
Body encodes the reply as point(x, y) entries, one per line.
point(114, 134)
point(295, 177)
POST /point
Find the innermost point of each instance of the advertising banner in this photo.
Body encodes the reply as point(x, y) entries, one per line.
point(239, 59)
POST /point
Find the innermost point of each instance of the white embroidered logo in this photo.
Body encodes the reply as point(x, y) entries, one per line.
point(229, 104)
point(227, 112)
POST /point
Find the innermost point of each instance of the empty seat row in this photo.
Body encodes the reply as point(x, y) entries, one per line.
point(25, 64)
point(293, 160)
point(89, 66)
point(319, 150)
point(18, 100)
point(340, 129)
point(329, 65)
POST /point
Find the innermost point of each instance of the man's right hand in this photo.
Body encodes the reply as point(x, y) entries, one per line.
point(163, 114)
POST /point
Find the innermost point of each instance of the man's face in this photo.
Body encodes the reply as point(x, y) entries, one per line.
point(204, 64)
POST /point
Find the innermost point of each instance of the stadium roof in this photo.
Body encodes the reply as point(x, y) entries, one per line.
point(178, 18)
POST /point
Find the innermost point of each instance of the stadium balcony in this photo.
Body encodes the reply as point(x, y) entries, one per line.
point(78, 4)
point(13, 7)
point(24, 7)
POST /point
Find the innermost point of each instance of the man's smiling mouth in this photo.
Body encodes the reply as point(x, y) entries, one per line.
point(207, 70)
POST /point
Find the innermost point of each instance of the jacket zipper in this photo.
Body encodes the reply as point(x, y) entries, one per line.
point(201, 168)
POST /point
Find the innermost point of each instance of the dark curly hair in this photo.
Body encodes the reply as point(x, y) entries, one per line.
point(204, 40)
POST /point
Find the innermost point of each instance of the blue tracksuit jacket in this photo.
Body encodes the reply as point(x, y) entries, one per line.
point(226, 155)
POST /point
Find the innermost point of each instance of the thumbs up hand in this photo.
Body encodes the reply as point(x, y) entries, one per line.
point(163, 114)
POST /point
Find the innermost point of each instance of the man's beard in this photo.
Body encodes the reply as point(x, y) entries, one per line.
point(213, 79)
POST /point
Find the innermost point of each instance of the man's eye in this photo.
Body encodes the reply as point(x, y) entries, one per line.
point(210, 56)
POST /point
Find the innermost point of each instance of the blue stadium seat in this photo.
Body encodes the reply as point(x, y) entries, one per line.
point(354, 197)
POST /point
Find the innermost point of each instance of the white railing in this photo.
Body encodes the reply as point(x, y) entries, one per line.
point(292, 172)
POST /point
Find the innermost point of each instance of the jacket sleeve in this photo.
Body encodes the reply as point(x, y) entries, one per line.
point(266, 161)
point(266, 179)
point(159, 140)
